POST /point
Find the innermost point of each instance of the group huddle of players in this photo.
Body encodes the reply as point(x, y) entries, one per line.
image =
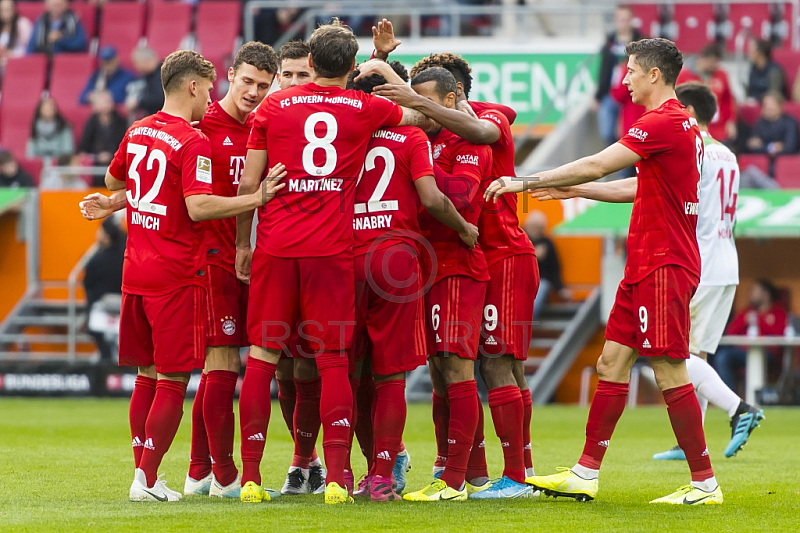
point(387, 236)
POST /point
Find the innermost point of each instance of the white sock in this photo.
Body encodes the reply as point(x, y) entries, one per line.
point(315, 462)
point(402, 454)
point(529, 472)
point(703, 401)
point(708, 384)
point(585, 473)
point(709, 485)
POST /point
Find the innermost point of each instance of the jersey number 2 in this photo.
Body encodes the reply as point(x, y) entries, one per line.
point(146, 203)
point(376, 204)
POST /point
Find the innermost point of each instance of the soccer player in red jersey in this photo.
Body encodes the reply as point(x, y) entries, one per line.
point(164, 165)
point(303, 262)
point(454, 302)
point(507, 313)
point(227, 124)
point(397, 180)
point(650, 316)
point(298, 381)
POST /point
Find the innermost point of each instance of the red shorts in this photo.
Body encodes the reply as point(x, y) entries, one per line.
point(315, 295)
point(453, 308)
point(652, 316)
point(227, 308)
point(296, 346)
point(390, 310)
point(508, 310)
point(167, 331)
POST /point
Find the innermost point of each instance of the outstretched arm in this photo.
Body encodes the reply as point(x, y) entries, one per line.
point(591, 168)
point(619, 191)
point(383, 40)
point(210, 207)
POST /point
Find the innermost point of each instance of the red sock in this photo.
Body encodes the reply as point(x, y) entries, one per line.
point(607, 406)
point(162, 424)
point(141, 399)
point(527, 409)
point(200, 459)
point(306, 420)
point(441, 420)
point(364, 430)
point(218, 414)
point(389, 421)
point(355, 383)
point(254, 411)
point(476, 467)
point(506, 405)
point(287, 398)
point(464, 406)
point(687, 423)
point(336, 413)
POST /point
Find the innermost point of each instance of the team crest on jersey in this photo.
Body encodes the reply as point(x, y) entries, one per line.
point(437, 150)
point(203, 169)
point(228, 325)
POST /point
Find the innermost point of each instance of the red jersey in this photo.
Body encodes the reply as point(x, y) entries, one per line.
point(163, 160)
point(480, 107)
point(460, 168)
point(500, 234)
point(228, 139)
point(321, 135)
point(664, 219)
point(726, 104)
point(386, 198)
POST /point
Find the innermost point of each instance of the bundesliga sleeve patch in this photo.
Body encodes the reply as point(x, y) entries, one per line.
point(203, 169)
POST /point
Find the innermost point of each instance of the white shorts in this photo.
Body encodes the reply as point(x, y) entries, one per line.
point(710, 308)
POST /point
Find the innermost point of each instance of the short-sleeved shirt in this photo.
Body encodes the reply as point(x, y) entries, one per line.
point(163, 160)
point(664, 219)
point(500, 234)
point(719, 191)
point(321, 135)
point(228, 138)
point(460, 168)
point(386, 198)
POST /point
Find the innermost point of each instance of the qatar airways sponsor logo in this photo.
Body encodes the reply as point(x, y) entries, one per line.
point(492, 117)
point(320, 99)
point(637, 133)
point(468, 159)
point(145, 221)
point(309, 185)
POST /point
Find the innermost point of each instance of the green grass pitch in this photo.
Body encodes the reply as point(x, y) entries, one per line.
point(67, 466)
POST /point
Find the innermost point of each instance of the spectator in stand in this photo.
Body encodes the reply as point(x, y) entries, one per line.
point(103, 275)
point(612, 54)
point(706, 69)
point(58, 30)
point(270, 24)
point(145, 96)
point(62, 177)
point(764, 316)
point(11, 175)
point(51, 134)
point(775, 133)
point(109, 77)
point(766, 76)
point(103, 131)
point(535, 226)
point(15, 32)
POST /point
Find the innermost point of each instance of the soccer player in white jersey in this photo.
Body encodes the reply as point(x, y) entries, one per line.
point(711, 304)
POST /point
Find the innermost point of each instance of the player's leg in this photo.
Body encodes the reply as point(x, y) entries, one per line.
point(527, 414)
point(198, 478)
point(287, 392)
point(477, 470)
point(223, 365)
point(441, 416)
point(388, 423)
point(311, 475)
point(144, 390)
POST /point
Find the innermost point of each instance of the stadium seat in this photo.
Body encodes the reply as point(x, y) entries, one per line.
point(787, 171)
point(749, 113)
point(752, 18)
point(30, 10)
point(68, 77)
point(790, 61)
point(167, 25)
point(23, 83)
point(33, 167)
point(88, 14)
point(647, 18)
point(693, 26)
point(792, 109)
point(760, 161)
point(122, 26)
point(216, 29)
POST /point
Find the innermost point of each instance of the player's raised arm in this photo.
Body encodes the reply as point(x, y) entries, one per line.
point(383, 40)
point(442, 209)
point(618, 191)
point(590, 168)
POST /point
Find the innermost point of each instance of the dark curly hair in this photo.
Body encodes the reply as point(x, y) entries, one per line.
point(370, 82)
point(657, 53)
point(294, 50)
point(260, 55)
point(455, 64)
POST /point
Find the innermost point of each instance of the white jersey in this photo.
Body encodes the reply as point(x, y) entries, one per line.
point(718, 192)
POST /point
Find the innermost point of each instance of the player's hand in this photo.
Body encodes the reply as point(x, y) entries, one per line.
point(383, 39)
point(402, 95)
point(270, 185)
point(373, 66)
point(470, 236)
point(95, 206)
point(464, 107)
point(503, 185)
point(554, 193)
point(244, 257)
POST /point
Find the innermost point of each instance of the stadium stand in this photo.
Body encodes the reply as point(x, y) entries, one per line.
point(68, 77)
point(756, 19)
point(693, 26)
point(647, 17)
point(749, 113)
point(168, 23)
point(760, 161)
point(122, 25)
point(786, 171)
point(23, 83)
